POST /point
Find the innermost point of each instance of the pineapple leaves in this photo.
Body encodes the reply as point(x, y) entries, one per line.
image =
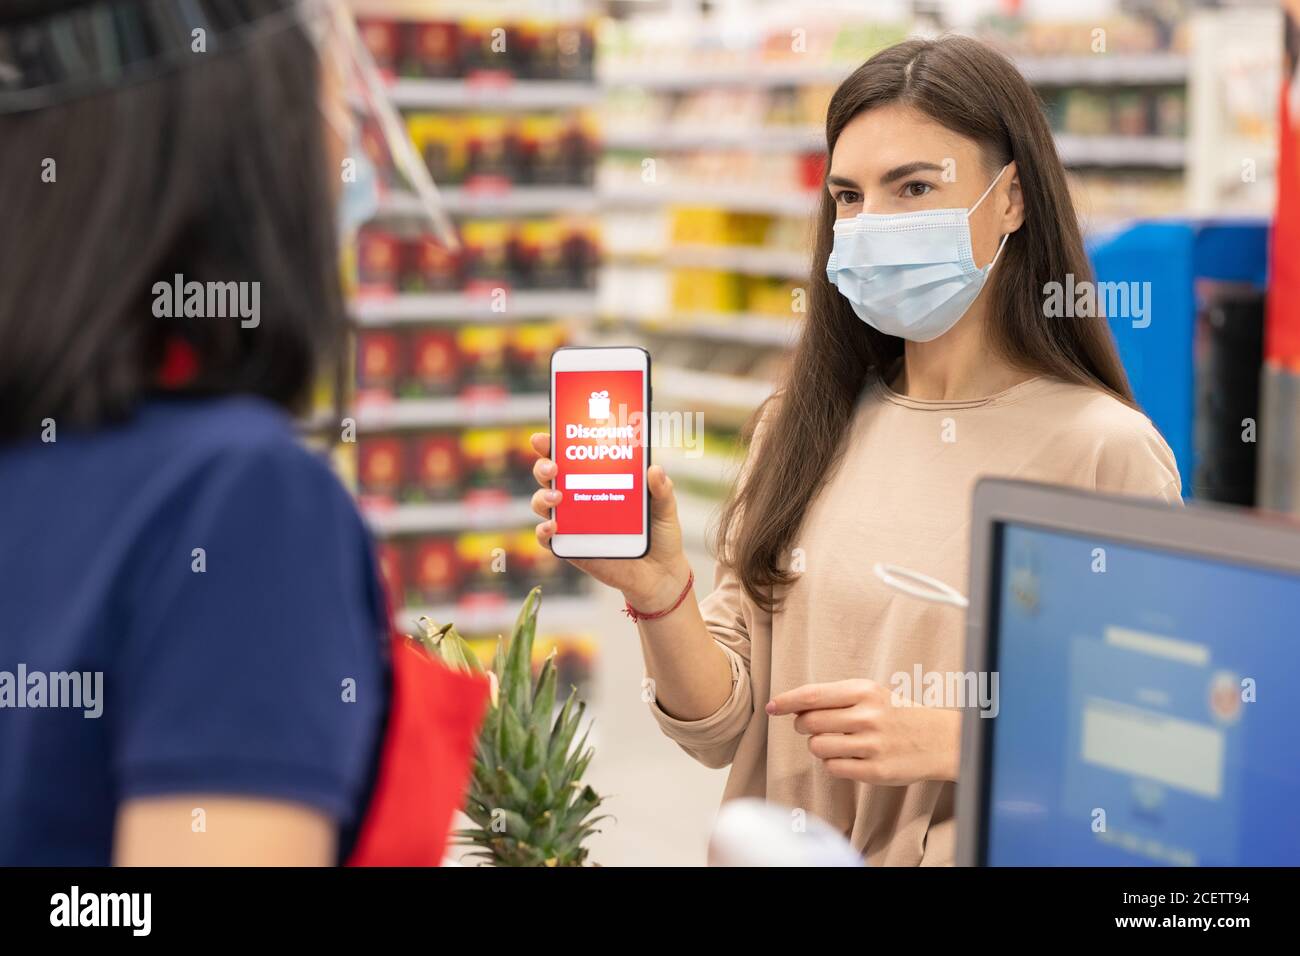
point(542, 796)
point(562, 736)
point(515, 682)
point(508, 788)
point(442, 642)
point(563, 762)
point(544, 703)
point(533, 753)
point(511, 735)
point(499, 659)
point(526, 797)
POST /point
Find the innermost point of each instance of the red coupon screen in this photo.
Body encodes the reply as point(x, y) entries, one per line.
point(599, 451)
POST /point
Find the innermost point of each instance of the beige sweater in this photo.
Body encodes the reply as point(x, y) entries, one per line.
point(901, 494)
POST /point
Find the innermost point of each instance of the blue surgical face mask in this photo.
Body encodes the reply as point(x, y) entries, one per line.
point(361, 196)
point(911, 274)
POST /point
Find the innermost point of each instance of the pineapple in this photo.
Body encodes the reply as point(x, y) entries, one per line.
point(526, 795)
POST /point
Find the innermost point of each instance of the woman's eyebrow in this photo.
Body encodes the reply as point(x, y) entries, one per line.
point(898, 172)
point(834, 180)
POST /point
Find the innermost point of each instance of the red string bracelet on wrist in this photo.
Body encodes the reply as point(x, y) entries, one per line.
point(636, 615)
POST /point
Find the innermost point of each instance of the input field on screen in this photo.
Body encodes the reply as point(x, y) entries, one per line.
point(1158, 645)
point(1178, 753)
point(585, 482)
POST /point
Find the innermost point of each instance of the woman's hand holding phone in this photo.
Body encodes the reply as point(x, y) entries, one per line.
point(649, 583)
point(692, 674)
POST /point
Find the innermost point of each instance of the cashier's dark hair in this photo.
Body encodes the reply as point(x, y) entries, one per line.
point(969, 88)
point(215, 168)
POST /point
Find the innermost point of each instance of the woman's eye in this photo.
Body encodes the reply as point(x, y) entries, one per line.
point(848, 198)
point(916, 190)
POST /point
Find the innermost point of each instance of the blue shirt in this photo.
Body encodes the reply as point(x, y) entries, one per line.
point(218, 578)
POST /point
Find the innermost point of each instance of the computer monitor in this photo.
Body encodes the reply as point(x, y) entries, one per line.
point(1148, 683)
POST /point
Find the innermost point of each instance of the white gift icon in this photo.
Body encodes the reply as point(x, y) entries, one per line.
point(598, 405)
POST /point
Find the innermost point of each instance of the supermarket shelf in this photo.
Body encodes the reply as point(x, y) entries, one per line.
point(506, 95)
point(460, 307)
point(710, 389)
point(1103, 69)
point(517, 200)
point(766, 139)
point(749, 328)
point(747, 260)
point(1160, 151)
point(447, 516)
point(1113, 69)
point(478, 617)
point(452, 412)
point(1165, 152)
point(755, 200)
point(656, 77)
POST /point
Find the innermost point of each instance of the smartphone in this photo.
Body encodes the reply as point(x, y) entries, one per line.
point(600, 414)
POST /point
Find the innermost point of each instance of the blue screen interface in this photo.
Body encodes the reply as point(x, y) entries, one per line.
point(1149, 708)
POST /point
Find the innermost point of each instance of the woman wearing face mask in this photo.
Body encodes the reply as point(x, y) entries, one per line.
point(168, 543)
point(925, 363)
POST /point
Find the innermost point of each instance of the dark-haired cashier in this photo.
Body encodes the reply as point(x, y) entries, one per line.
point(194, 665)
point(925, 362)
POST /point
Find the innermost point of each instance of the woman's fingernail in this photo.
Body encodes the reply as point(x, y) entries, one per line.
point(771, 708)
point(552, 496)
point(548, 468)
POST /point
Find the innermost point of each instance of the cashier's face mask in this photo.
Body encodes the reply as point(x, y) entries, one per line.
point(361, 193)
point(909, 274)
point(361, 197)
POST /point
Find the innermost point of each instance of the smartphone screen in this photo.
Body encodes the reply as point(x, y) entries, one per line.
point(599, 448)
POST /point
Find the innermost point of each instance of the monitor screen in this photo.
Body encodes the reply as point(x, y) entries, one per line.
point(1148, 707)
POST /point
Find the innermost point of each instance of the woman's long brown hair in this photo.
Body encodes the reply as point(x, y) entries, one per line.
point(972, 90)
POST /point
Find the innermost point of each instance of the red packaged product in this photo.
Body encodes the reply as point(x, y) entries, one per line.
point(434, 364)
point(379, 255)
point(379, 468)
point(435, 471)
point(429, 266)
point(378, 361)
point(434, 573)
point(432, 49)
point(383, 39)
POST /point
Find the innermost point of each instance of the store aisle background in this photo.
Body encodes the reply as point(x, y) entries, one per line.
point(644, 173)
